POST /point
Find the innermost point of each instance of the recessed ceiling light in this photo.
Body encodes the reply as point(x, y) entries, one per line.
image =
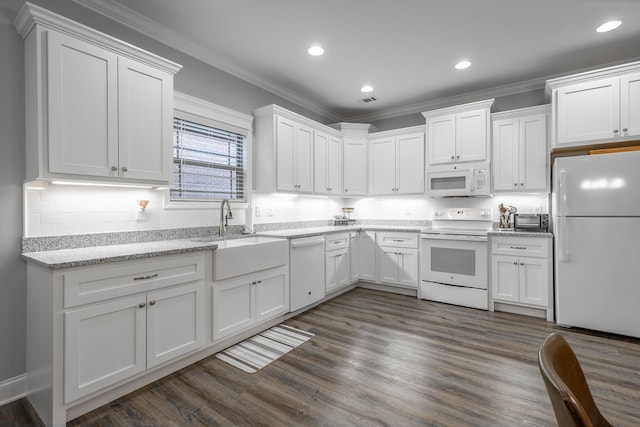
point(315, 50)
point(462, 65)
point(366, 89)
point(608, 26)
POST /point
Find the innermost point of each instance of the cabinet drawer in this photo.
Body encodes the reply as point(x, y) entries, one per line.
point(398, 240)
point(93, 284)
point(521, 246)
point(337, 241)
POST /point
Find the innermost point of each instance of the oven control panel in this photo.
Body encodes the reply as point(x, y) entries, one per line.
point(474, 214)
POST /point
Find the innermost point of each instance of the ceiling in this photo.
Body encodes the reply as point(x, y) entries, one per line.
point(405, 49)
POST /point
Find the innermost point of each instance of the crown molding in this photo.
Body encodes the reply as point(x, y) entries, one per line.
point(449, 101)
point(152, 29)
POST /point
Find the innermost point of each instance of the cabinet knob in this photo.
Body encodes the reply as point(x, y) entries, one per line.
point(457, 157)
point(259, 281)
point(515, 262)
point(114, 168)
point(309, 292)
point(452, 158)
point(152, 302)
point(329, 189)
point(522, 183)
point(615, 131)
point(522, 263)
point(346, 189)
point(515, 183)
point(124, 169)
point(625, 130)
point(141, 305)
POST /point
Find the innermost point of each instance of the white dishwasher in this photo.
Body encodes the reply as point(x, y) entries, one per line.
point(306, 267)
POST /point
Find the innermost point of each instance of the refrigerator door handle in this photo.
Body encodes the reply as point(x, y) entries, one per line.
point(563, 238)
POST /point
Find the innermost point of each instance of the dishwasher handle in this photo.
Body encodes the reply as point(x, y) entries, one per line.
point(307, 241)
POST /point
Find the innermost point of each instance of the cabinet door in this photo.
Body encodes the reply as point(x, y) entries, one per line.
point(382, 175)
point(334, 166)
point(533, 169)
point(354, 256)
point(145, 101)
point(103, 344)
point(388, 265)
point(587, 111)
point(533, 279)
point(355, 168)
point(504, 272)
point(285, 154)
point(410, 165)
point(272, 294)
point(368, 256)
point(233, 306)
point(471, 136)
point(441, 139)
point(82, 108)
point(304, 159)
point(408, 267)
point(175, 320)
point(337, 269)
point(320, 163)
point(630, 105)
point(505, 154)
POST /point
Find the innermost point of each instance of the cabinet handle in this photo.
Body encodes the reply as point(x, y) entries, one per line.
point(522, 263)
point(615, 131)
point(515, 262)
point(398, 240)
point(518, 247)
point(141, 305)
point(335, 243)
point(259, 281)
point(522, 183)
point(114, 168)
point(124, 169)
point(152, 302)
point(329, 189)
point(146, 277)
point(625, 130)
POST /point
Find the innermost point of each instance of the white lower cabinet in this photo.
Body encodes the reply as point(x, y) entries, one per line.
point(368, 254)
point(241, 302)
point(122, 319)
point(354, 256)
point(398, 260)
point(108, 342)
point(337, 262)
point(521, 272)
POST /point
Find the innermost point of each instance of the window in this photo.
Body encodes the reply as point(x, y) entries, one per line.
point(209, 156)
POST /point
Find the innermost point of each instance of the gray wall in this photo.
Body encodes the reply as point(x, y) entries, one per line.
point(12, 174)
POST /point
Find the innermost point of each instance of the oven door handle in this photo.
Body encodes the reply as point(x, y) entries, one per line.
point(453, 237)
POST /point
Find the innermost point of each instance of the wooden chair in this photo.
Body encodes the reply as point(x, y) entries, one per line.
point(570, 396)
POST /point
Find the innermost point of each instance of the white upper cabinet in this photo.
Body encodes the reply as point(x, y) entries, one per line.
point(458, 134)
point(520, 154)
point(294, 154)
point(96, 108)
point(327, 164)
point(396, 161)
point(294, 148)
point(600, 106)
point(354, 174)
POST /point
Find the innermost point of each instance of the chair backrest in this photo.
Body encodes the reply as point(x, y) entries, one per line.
point(570, 396)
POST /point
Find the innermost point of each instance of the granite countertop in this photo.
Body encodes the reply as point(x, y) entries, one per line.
point(513, 233)
point(315, 231)
point(78, 257)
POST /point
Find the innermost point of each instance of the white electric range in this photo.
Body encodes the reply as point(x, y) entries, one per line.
point(453, 257)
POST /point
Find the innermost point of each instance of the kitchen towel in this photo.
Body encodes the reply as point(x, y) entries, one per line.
point(258, 351)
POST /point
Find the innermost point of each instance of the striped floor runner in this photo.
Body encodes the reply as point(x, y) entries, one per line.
point(258, 351)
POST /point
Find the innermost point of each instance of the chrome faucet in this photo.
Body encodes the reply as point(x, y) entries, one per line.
point(224, 218)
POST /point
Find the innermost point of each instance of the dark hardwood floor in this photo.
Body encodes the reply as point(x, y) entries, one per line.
point(381, 359)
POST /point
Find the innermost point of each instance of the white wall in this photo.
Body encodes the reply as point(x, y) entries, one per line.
point(12, 174)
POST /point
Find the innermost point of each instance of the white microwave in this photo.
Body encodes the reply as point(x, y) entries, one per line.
point(459, 180)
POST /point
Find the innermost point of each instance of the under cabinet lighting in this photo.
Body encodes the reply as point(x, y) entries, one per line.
point(463, 64)
point(366, 89)
point(608, 26)
point(100, 184)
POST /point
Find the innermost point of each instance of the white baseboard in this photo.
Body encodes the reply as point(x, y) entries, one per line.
point(13, 389)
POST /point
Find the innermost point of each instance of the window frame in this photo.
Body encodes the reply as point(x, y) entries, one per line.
point(223, 118)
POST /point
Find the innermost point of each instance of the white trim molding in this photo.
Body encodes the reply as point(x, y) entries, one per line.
point(13, 389)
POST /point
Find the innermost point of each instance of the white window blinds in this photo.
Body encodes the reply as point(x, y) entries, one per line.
point(208, 162)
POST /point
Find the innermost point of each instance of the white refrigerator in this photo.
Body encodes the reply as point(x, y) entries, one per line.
point(596, 205)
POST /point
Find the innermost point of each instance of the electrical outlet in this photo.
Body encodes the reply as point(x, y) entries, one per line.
point(270, 211)
point(258, 210)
